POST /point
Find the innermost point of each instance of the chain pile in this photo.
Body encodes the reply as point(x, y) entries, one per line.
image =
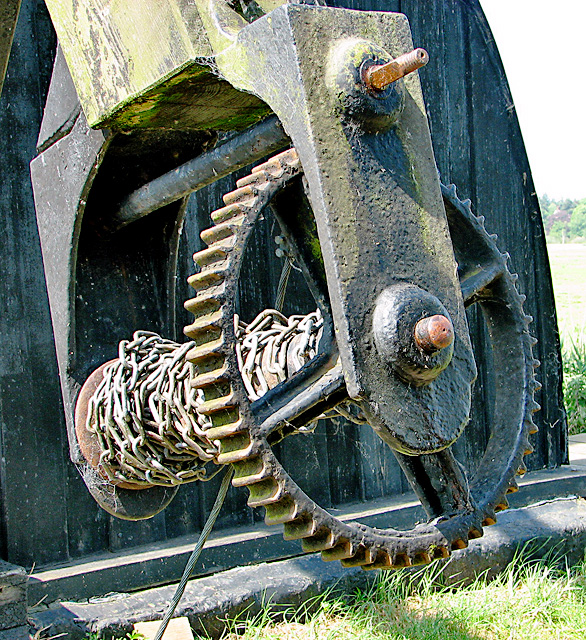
point(144, 416)
point(273, 347)
point(144, 412)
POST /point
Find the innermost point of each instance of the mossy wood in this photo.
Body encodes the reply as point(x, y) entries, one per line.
point(147, 64)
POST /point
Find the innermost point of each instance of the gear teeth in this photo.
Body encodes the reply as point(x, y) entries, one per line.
point(363, 556)
point(234, 449)
point(440, 552)
point(482, 220)
point(475, 532)
point(531, 426)
point(214, 254)
point(459, 543)
point(205, 351)
point(209, 378)
point(489, 519)
point(506, 256)
point(281, 512)
point(206, 302)
point(322, 540)
point(521, 470)
point(248, 471)
point(514, 277)
point(300, 528)
point(536, 363)
point(256, 178)
point(502, 505)
point(220, 232)
point(343, 550)
point(513, 487)
point(467, 203)
point(537, 386)
point(422, 557)
point(226, 431)
point(264, 493)
point(277, 164)
point(227, 213)
point(401, 560)
point(208, 324)
point(206, 279)
point(382, 561)
point(526, 445)
point(239, 196)
point(493, 237)
point(208, 407)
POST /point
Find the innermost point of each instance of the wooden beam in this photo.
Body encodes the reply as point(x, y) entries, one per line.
point(8, 17)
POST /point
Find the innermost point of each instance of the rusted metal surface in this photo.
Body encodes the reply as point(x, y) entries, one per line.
point(379, 77)
point(367, 246)
point(434, 333)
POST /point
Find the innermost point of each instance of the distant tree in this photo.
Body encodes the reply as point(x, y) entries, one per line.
point(558, 225)
point(548, 208)
point(577, 225)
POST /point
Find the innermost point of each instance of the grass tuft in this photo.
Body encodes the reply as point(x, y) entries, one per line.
point(574, 361)
point(538, 600)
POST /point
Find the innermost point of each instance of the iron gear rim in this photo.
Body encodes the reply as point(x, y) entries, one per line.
point(245, 442)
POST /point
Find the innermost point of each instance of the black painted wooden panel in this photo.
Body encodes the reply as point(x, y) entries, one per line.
point(33, 456)
point(47, 514)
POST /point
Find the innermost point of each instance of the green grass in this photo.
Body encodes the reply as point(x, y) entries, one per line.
point(568, 269)
point(529, 600)
point(574, 361)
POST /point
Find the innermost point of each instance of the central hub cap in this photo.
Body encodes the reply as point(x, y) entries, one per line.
point(413, 333)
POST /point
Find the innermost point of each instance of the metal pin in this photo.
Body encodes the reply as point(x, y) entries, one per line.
point(379, 77)
point(434, 333)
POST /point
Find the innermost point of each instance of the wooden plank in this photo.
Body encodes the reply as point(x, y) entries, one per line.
point(125, 534)
point(177, 629)
point(506, 192)
point(380, 474)
point(31, 426)
point(87, 523)
point(138, 64)
point(440, 27)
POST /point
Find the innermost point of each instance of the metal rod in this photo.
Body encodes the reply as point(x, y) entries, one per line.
point(381, 76)
point(250, 146)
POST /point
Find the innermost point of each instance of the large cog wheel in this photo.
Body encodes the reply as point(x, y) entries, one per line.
point(458, 508)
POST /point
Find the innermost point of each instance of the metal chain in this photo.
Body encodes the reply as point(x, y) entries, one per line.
point(144, 416)
point(273, 347)
point(144, 412)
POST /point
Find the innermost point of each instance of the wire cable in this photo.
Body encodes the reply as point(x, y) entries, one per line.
point(194, 557)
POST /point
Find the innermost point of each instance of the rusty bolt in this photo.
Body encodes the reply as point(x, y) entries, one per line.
point(379, 77)
point(434, 333)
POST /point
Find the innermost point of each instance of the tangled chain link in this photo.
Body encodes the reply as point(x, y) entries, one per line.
point(144, 416)
point(144, 412)
point(273, 347)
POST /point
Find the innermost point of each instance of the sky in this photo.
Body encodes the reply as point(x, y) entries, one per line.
point(542, 45)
